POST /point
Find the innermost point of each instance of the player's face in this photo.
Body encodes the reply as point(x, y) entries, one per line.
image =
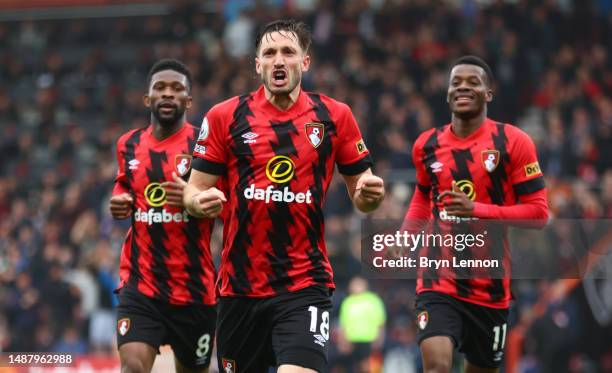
point(168, 97)
point(280, 62)
point(468, 92)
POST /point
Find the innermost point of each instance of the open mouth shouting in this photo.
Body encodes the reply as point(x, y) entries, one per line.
point(279, 78)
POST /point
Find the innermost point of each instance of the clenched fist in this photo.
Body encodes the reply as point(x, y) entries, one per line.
point(121, 205)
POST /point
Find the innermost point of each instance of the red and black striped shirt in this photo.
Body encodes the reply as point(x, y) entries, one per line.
point(166, 254)
point(495, 165)
point(279, 165)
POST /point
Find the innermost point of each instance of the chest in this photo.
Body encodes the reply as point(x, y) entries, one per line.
point(301, 142)
point(474, 166)
point(156, 164)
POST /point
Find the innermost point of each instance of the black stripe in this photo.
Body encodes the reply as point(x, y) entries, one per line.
point(496, 236)
point(424, 189)
point(357, 167)
point(320, 172)
point(238, 257)
point(462, 172)
point(529, 186)
point(128, 154)
point(499, 176)
point(429, 148)
point(194, 251)
point(193, 247)
point(496, 193)
point(157, 232)
point(210, 167)
point(280, 215)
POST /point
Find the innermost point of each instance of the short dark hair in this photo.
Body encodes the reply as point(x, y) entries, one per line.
point(169, 64)
point(477, 61)
point(299, 28)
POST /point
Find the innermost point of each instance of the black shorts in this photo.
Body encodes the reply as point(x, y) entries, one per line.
point(256, 333)
point(477, 331)
point(189, 330)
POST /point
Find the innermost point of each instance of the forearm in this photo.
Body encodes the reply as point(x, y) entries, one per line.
point(533, 208)
point(418, 212)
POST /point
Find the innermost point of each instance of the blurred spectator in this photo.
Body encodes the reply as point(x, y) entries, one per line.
point(362, 321)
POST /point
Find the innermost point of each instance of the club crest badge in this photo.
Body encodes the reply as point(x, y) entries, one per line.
point(422, 320)
point(490, 159)
point(123, 326)
point(314, 133)
point(229, 366)
point(182, 164)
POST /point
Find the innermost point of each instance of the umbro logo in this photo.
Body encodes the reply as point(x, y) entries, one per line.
point(436, 167)
point(320, 340)
point(249, 137)
point(134, 164)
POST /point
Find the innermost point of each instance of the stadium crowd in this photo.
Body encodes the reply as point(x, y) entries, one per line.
point(69, 88)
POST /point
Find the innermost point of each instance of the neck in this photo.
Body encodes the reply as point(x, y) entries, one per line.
point(284, 101)
point(162, 132)
point(465, 127)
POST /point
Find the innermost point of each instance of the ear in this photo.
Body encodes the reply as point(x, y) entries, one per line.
point(306, 63)
point(257, 66)
point(146, 100)
point(489, 95)
point(188, 102)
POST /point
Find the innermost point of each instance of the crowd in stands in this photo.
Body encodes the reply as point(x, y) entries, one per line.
point(70, 88)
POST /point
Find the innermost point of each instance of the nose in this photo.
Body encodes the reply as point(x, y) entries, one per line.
point(278, 61)
point(462, 87)
point(167, 92)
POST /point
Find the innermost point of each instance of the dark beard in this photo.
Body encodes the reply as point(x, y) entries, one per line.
point(168, 122)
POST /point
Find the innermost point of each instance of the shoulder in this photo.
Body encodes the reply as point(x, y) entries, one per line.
point(191, 129)
point(425, 136)
point(225, 108)
point(132, 134)
point(336, 108)
point(515, 135)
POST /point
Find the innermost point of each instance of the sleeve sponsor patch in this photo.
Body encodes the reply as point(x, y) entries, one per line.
point(203, 130)
point(361, 148)
point(200, 149)
point(532, 169)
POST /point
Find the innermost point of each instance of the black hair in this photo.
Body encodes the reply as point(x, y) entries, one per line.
point(170, 64)
point(477, 61)
point(299, 28)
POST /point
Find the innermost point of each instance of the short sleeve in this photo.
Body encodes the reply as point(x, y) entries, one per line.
point(210, 152)
point(352, 156)
point(525, 174)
